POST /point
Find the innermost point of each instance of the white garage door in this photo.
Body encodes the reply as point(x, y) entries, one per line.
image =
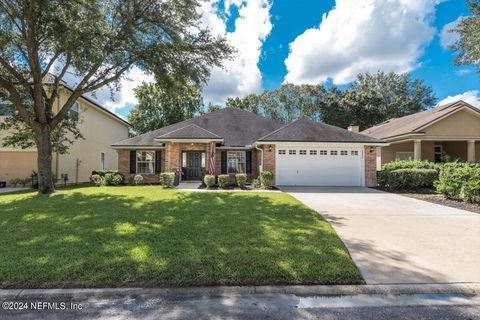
point(320, 166)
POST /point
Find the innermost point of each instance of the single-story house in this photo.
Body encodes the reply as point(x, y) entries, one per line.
point(231, 141)
point(451, 130)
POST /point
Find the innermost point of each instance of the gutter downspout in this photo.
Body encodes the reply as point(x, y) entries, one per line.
point(261, 157)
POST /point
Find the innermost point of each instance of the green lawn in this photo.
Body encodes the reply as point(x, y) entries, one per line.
point(146, 236)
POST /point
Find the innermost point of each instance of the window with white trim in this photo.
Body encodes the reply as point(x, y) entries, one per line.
point(236, 162)
point(344, 153)
point(292, 152)
point(354, 152)
point(145, 161)
point(404, 156)
point(313, 152)
point(333, 152)
point(323, 152)
point(303, 152)
point(282, 152)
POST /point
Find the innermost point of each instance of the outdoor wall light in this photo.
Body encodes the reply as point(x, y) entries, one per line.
point(270, 148)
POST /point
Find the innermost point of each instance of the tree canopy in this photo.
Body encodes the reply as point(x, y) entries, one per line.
point(467, 47)
point(97, 41)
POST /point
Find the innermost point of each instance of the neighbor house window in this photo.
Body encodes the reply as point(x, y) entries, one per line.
point(404, 156)
point(102, 160)
point(74, 111)
point(333, 152)
point(354, 153)
point(236, 162)
point(145, 161)
point(323, 152)
point(303, 152)
point(292, 151)
point(344, 153)
point(313, 152)
point(281, 152)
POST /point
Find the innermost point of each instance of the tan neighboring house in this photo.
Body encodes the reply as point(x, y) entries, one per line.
point(231, 141)
point(100, 129)
point(451, 130)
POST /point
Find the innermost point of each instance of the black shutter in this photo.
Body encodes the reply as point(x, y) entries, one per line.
point(248, 156)
point(133, 161)
point(158, 159)
point(224, 162)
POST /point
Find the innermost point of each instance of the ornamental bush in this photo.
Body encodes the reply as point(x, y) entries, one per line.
point(266, 178)
point(241, 179)
point(96, 179)
point(167, 179)
point(223, 180)
point(112, 179)
point(256, 183)
point(102, 173)
point(411, 179)
point(458, 180)
point(209, 181)
point(386, 178)
point(138, 179)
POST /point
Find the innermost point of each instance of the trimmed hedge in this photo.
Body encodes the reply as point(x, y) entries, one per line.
point(167, 179)
point(241, 179)
point(138, 179)
point(209, 181)
point(266, 177)
point(408, 175)
point(223, 180)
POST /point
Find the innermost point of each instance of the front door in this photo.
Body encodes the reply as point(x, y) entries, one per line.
point(194, 165)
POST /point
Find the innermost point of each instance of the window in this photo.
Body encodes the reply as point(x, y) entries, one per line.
point(236, 162)
point(354, 153)
point(74, 111)
point(102, 160)
point(303, 152)
point(292, 151)
point(344, 153)
point(333, 152)
point(313, 152)
point(404, 156)
point(145, 161)
point(323, 152)
point(281, 152)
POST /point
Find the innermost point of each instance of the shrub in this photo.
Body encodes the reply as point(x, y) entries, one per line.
point(102, 173)
point(223, 180)
point(111, 179)
point(471, 190)
point(455, 176)
point(138, 179)
point(411, 179)
point(209, 180)
point(117, 179)
point(256, 183)
point(385, 178)
point(167, 179)
point(266, 178)
point(97, 179)
point(241, 179)
point(14, 182)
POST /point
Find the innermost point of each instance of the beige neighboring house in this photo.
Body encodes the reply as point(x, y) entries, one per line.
point(100, 129)
point(451, 130)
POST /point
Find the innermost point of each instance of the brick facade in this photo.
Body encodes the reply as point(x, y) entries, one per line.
point(370, 166)
point(269, 159)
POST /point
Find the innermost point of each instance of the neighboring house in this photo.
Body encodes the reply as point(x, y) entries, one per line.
point(303, 152)
point(100, 129)
point(451, 130)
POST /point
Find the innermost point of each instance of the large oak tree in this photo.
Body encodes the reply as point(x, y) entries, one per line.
point(100, 41)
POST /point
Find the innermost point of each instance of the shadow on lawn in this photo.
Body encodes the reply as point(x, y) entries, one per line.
point(170, 239)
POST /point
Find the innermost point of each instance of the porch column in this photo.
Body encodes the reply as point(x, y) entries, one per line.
point(417, 150)
point(471, 150)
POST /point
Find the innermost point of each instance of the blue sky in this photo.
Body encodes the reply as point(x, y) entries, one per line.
point(330, 41)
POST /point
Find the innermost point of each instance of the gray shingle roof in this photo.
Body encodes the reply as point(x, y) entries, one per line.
point(412, 123)
point(191, 131)
point(237, 127)
point(306, 130)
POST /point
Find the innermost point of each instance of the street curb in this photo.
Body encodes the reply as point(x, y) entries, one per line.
point(469, 289)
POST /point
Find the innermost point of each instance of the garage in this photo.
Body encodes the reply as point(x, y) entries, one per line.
point(319, 166)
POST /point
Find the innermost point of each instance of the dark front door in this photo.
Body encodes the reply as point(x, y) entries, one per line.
point(194, 166)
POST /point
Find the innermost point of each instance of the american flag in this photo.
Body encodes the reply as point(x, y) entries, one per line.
point(211, 163)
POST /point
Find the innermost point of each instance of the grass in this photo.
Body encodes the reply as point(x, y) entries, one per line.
point(146, 236)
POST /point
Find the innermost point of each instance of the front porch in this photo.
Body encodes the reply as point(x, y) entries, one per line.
point(430, 150)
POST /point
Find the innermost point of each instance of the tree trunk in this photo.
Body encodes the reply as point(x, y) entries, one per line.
point(44, 161)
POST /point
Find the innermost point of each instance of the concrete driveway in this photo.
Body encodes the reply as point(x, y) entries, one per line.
point(395, 239)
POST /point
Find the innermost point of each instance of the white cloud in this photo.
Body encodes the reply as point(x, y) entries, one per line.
point(472, 97)
point(448, 38)
point(241, 75)
point(362, 36)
